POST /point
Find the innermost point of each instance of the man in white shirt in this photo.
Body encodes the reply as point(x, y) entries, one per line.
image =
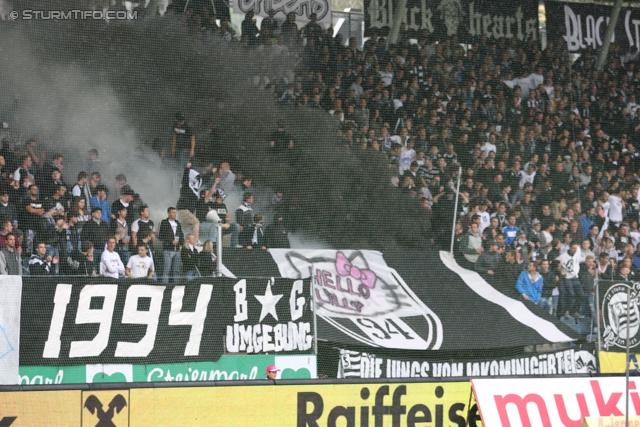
point(111, 263)
point(140, 265)
point(616, 206)
point(571, 290)
point(489, 145)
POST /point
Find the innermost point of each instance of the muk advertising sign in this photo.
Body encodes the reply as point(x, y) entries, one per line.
point(550, 402)
point(465, 19)
point(10, 298)
point(98, 321)
point(583, 25)
point(354, 364)
point(302, 8)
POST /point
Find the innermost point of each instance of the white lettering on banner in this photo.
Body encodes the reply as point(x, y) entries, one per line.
point(302, 8)
point(158, 374)
point(296, 304)
point(264, 338)
point(103, 316)
point(381, 14)
point(594, 30)
point(195, 319)
point(60, 301)
point(567, 362)
point(261, 337)
point(131, 315)
point(552, 402)
point(39, 379)
point(240, 289)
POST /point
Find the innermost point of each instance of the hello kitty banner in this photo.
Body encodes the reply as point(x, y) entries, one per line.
point(359, 295)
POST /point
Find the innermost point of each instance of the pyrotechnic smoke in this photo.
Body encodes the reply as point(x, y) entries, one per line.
point(116, 86)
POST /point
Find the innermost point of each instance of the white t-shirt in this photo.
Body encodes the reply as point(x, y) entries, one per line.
point(488, 147)
point(406, 157)
point(139, 266)
point(525, 177)
point(485, 220)
point(615, 208)
point(111, 264)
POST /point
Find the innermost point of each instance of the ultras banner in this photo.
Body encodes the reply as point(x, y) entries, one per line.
point(583, 25)
point(89, 321)
point(411, 301)
point(617, 317)
point(468, 20)
point(354, 364)
point(302, 8)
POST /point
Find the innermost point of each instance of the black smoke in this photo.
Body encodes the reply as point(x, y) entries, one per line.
point(117, 86)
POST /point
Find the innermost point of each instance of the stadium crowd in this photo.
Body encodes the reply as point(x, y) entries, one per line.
point(547, 149)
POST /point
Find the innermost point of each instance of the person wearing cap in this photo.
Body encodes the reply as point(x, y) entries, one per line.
point(99, 201)
point(488, 261)
point(96, 231)
point(272, 372)
point(124, 202)
point(535, 232)
point(80, 262)
point(228, 226)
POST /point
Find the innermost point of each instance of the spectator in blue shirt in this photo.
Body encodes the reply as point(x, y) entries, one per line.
point(510, 230)
point(100, 201)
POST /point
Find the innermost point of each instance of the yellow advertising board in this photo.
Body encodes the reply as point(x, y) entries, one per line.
point(398, 404)
point(611, 362)
point(40, 408)
point(319, 405)
point(109, 407)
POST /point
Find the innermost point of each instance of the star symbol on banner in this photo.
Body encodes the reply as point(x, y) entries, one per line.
point(268, 301)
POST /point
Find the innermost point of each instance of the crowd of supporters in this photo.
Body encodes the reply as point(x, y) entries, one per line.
point(547, 147)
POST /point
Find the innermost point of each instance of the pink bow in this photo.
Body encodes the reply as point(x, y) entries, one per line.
point(345, 268)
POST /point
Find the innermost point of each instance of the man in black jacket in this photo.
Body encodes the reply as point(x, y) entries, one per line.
point(172, 237)
point(244, 216)
point(81, 262)
point(96, 231)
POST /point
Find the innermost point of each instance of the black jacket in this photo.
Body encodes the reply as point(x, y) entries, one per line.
point(95, 233)
point(166, 236)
